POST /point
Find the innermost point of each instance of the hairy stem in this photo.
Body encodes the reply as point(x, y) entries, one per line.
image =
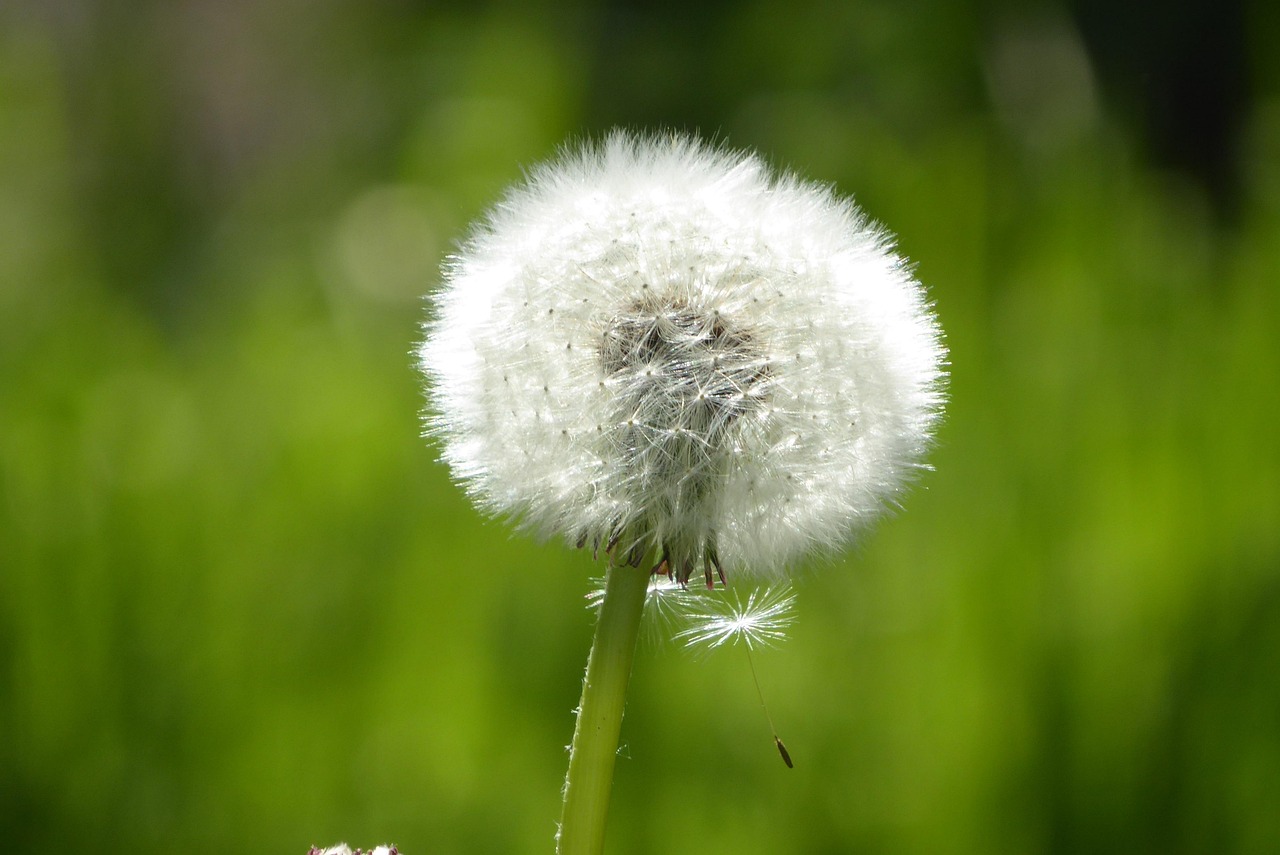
point(604, 695)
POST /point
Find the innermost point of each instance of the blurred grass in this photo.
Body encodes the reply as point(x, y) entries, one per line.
point(242, 608)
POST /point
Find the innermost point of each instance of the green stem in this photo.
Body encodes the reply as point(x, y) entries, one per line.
point(604, 695)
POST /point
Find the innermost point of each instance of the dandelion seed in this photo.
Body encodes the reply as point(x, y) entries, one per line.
point(754, 373)
point(782, 749)
point(761, 619)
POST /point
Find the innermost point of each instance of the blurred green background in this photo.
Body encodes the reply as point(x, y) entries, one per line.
point(242, 608)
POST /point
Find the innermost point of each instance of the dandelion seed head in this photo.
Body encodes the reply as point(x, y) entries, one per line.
point(652, 346)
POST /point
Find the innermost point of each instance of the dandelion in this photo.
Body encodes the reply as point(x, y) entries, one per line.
point(655, 348)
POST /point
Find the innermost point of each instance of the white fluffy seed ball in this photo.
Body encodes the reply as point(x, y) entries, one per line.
point(655, 347)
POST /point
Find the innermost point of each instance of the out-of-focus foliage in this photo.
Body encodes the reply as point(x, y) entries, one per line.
point(243, 609)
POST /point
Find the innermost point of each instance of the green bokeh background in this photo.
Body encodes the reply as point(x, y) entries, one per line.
point(242, 608)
